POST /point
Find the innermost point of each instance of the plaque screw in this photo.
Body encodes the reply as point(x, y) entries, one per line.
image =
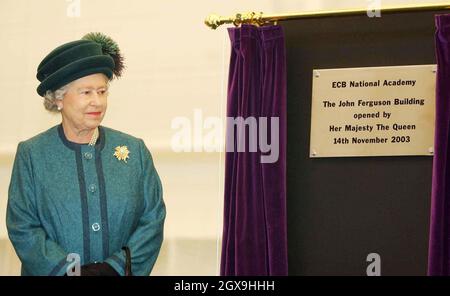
point(314, 153)
point(431, 150)
point(434, 70)
point(316, 73)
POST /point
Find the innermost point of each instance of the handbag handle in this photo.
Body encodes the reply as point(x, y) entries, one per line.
point(127, 261)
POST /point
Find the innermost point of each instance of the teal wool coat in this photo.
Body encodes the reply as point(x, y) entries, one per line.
point(74, 198)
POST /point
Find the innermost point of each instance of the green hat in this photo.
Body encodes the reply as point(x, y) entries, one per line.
point(94, 53)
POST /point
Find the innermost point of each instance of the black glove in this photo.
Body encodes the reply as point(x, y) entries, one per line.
point(98, 269)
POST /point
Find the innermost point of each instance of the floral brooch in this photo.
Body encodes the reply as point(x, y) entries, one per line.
point(121, 153)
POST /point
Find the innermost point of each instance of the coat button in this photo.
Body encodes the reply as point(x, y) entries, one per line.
point(96, 227)
point(88, 155)
point(92, 188)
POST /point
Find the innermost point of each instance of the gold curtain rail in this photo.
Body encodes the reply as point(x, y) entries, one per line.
point(258, 18)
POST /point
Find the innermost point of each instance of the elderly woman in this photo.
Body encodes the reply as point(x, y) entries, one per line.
point(79, 189)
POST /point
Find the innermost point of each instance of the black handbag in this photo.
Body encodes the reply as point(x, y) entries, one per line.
point(128, 271)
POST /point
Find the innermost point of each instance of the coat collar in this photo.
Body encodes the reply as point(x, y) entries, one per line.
point(71, 145)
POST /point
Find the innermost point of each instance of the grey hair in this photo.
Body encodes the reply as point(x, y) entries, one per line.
point(51, 96)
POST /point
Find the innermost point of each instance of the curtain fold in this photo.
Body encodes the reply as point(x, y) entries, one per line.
point(254, 240)
point(439, 251)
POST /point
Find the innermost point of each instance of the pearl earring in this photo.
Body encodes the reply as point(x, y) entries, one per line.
point(59, 108)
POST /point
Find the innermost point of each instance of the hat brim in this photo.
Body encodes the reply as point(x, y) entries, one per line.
point(73, 71)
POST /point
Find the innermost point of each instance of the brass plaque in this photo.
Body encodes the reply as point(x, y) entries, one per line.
point(373, 111)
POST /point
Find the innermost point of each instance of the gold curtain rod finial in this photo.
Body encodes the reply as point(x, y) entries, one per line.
point(213, 21)
point(254, 18)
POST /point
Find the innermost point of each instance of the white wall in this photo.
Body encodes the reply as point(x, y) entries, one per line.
point(174, 64)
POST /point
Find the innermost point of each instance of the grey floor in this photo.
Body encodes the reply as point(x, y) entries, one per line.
point(177, 257)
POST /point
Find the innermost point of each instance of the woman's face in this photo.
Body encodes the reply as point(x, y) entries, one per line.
point(84, 104)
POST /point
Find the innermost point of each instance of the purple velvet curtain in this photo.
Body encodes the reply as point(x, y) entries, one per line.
point(439, 251)
point(254, 240)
